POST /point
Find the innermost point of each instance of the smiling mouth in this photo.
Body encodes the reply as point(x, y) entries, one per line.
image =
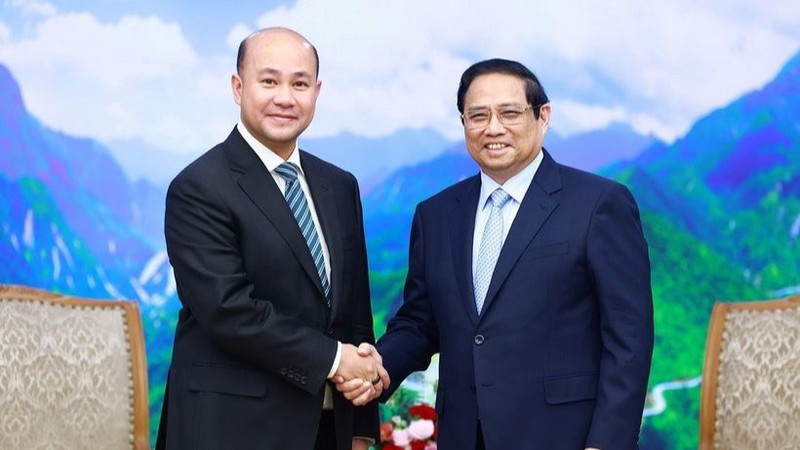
point(497, 146)
point(281, 118)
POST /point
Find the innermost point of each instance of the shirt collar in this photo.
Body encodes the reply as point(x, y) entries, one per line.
point(270, 159)
point(515, 186)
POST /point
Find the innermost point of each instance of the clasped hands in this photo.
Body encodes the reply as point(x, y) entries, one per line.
point(361, 376)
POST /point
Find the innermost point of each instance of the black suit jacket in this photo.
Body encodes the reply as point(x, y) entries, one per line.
point(559, 357)
point(255, 338)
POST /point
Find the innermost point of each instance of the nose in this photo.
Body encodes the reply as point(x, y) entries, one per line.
point(495, 127)
point(284, 96)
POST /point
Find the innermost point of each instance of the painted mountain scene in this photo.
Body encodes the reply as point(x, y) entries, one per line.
point(82, 206)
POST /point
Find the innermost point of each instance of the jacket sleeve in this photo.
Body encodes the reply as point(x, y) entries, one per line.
point(365, 418)
point(412, 335)
point(620, 270)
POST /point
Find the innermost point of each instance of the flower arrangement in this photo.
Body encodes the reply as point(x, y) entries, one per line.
point(416, 433)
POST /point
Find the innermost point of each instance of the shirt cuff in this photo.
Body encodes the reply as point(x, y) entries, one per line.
point(370, 441)
point(336, 360)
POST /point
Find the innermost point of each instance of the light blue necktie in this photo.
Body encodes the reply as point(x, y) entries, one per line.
point(491, 243)
point(299, 206)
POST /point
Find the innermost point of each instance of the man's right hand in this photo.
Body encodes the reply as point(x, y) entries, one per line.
point(363, 390)
point(352, 365)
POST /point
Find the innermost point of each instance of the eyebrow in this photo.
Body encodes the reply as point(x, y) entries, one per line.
point(270, 71)
point(501, 105)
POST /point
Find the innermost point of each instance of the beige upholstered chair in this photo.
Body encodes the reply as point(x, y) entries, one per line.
point(72, 372)
point(750, 397)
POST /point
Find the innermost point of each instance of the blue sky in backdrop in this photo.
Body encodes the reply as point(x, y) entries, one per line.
point(157, 72)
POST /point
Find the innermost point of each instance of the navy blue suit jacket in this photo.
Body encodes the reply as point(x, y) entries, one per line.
point(560, 356)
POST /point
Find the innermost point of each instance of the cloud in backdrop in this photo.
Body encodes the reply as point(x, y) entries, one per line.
point(389, 65)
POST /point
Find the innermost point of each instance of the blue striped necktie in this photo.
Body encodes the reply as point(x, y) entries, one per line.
point(489, 250)
point(299, 206)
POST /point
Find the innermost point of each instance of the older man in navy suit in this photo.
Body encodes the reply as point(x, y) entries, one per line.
point(532, 281)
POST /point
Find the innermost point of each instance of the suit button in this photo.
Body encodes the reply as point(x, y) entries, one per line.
point(303, 380)
point(283, 370)
point(478, 339)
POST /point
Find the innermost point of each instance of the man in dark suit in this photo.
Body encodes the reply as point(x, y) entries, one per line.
point(532, 282)
point(268, 249)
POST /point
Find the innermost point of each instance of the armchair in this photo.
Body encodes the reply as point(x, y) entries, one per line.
point(72, 372)
point(750, 396)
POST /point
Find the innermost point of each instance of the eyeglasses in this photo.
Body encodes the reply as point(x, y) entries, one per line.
point(507, 116)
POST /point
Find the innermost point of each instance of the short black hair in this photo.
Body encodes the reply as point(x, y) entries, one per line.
point(534, 92)
point(240, 55)
point(243, 51)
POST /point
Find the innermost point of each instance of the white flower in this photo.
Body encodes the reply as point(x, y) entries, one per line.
point(420, 430)
point(401, 438)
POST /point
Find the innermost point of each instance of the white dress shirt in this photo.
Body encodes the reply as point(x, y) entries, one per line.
point(271, 160)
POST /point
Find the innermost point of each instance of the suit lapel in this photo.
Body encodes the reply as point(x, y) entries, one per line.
point(462, 229)
point(325, 207)
point(258, 184)
point(536, 208)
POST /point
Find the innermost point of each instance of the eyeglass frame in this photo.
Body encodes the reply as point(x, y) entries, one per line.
point(492, 113)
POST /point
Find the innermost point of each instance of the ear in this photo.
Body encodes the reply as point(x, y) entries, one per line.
point(236, 86)
point(544, 116)
point(317, 88)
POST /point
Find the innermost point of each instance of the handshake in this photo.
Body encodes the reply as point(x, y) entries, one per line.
point(360, 376)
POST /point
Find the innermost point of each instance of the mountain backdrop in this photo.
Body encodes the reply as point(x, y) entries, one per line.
point(720, 208)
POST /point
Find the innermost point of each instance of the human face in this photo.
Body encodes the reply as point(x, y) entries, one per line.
point(503, 151)
point(277, 89)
